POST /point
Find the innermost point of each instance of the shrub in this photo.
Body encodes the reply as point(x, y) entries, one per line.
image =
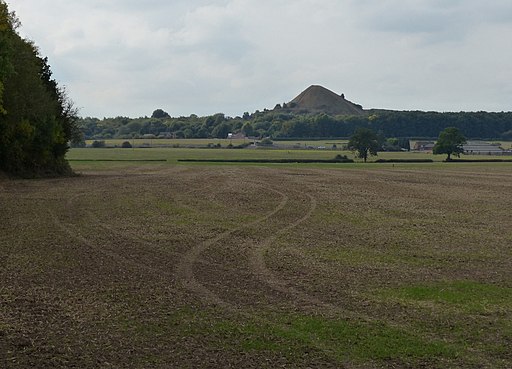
point(243, 145)
point(404, 161)
point(78, 144)
point(98, 144)
point(266, 142)
point(126, 145)
point(343, 159)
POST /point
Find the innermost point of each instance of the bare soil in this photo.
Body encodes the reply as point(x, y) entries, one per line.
point(232, 266)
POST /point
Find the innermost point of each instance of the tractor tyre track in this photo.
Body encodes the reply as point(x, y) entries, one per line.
point(262, 271)
point(185, 268)
point(76, 232)
point(267, 276)
point(73, 231)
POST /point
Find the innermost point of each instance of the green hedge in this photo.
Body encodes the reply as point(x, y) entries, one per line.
point(279, 161)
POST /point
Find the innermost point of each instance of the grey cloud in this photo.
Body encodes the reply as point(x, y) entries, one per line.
point(433, 20)
point(127, 57)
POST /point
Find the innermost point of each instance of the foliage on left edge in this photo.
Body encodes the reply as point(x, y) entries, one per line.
point(37, 120)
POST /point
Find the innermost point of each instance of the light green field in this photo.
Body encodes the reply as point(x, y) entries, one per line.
point(173, 154)
point(155, 142)
point(98, 159)
point(327, 143)
point(92, 158)
point(213, 141)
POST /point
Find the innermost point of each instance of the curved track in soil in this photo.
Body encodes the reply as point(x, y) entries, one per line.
point(185, 268)
point(259, 265)
point(183, 272)
point(93, 263)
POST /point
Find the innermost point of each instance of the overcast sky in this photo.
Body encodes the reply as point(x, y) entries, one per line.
point(130, 57)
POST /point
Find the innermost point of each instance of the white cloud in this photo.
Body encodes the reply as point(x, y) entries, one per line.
point(122, 57)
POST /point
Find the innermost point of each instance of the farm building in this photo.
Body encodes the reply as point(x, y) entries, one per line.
point(236, 136)
point(424, 146)
point(482, 148)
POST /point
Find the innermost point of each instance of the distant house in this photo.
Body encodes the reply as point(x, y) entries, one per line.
point(482, 148)
point(424, 146)
point(236, 136)
point(166, 135)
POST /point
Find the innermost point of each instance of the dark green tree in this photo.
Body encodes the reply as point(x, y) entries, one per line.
point(160, 114)
point(364, 142)
point(404, 143)
point(37, 120)
point(7, 27)
point(248, 129)
point(221, 131)
point(450, 142)
point(507, 135)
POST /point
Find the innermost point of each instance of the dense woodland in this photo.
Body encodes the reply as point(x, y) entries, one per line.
point(37, 120)
point(282, 124)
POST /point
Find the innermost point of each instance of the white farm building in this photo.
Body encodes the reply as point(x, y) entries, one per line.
point(482, 148)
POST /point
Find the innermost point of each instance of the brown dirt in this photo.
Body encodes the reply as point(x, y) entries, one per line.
point(150, 269)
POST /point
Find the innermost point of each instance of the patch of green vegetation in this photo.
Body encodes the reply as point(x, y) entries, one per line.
point(173, 154)
point(294, 335)
point(366, 341)
point(248, 336)
point(83, 159)
point(469, 296)
point(183, 321)
point(341, 339)
point(355, 257)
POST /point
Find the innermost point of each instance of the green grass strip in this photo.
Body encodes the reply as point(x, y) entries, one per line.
point(129, 160)
point(265, 161)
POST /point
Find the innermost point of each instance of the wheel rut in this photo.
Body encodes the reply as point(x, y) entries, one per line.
point(184, 274)
point(105, 248)
point(71, 230)
point(263, 272)
point(185, 268)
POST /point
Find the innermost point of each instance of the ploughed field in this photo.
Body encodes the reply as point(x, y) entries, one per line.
point(176, 266)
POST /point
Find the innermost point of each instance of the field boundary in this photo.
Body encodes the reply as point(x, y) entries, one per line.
point(128, 160)
point(478, 161)
point(277, 161)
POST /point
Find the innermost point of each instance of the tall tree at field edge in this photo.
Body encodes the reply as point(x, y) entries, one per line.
point(450, 141)
point(37, 120)
point(364, 142)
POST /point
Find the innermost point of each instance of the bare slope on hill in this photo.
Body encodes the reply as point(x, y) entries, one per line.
point(318, 99)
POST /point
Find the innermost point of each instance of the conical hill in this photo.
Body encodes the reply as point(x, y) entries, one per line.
point(318, 99)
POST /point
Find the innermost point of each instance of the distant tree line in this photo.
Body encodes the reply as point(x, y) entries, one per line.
point(37, 120)
point(278, 124)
